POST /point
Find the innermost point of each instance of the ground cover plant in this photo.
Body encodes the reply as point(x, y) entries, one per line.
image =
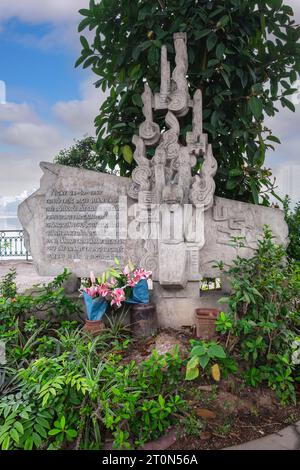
point(61, 388)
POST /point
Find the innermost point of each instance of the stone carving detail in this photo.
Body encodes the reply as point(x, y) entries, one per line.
point(203, 188)
point(167, 178)
point(237, 223)
point(168, 175)
point(180, 98)
point(149, 131)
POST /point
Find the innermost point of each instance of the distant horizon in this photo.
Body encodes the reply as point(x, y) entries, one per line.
point(10, 222)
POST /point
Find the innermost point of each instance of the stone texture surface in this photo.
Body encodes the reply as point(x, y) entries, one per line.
point(64, 219)
point(286, 439)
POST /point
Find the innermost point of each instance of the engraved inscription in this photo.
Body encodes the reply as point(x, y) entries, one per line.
point(82, 225)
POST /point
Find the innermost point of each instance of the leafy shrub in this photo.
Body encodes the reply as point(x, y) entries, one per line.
point(49, 299)
point(263, 316)
point(82, 394)
point(204, 354)
point(8, 288)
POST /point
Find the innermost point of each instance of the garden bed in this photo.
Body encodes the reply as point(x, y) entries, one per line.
point(220, 414)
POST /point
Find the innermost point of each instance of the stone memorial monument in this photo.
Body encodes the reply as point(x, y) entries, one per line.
point(165, 218)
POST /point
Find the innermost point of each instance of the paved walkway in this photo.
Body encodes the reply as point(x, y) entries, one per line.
point(286, 439)
point(26, 273)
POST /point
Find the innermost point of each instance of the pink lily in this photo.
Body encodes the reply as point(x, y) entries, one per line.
point(92, 291)
point(118, 296)
point(103, 290)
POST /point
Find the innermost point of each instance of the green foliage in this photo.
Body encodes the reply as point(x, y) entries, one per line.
point(223, 323)
point(263, 318)
point(76, 394)
point(8, 288)
point(203, 354)
point(292, 217)
point(63, 389)
point(83, 154)
point(243, 55)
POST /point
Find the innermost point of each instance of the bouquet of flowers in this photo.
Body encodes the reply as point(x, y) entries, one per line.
point(116, 286)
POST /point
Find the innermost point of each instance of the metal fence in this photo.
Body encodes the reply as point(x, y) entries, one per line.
point(12, 245)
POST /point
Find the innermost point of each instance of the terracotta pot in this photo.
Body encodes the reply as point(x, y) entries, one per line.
point(95, 327)
point(143, 320)
point(205, 322)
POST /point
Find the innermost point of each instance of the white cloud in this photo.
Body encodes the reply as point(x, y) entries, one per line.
point(79, 115)
point(26, 139)
point(30, 135)
point(13, 112)
point(61, 15)
point(37, 11)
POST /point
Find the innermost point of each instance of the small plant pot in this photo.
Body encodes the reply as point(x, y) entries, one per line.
point(206, 322)
point(143, 320)
point(94, 326)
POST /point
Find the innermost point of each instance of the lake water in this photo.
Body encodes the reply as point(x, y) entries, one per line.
point(9, 223)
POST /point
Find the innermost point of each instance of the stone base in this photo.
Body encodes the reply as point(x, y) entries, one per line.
point(176, 308)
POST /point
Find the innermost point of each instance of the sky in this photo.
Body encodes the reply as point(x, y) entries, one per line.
point(49, 103)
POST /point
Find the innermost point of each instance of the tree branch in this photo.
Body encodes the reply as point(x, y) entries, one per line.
point(162, 4)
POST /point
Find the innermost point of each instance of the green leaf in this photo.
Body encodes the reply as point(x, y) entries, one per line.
point(256, 107)
point(71, 433)
point(53, 432)
point(288, 104)
point(254, 191)
point(202, 33)
point(137, 100)
point(62, 422)
point(127, 154)
point(223, 21)
point(79, 61)
point(235, 172)
point(211, 41)
point(231, 184)
point(276, 4)
point(6, 443)
point(220, 51)
point(86, 12)
point(198, 350)
point(203, 361)
point(40, 430)
point(36, 439)
point(192, 373)
point(19, 427)
point(193, 363)
point(84, 43)
point(28, 443)
point(15, 435)
point(273, 138)
point(226, 79)
point(83, 24)
point(215, 350)
point(161, 401)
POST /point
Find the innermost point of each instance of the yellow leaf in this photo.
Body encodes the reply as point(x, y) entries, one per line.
point(215, 372)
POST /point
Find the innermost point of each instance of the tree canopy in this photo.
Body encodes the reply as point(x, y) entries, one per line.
point(244, 55)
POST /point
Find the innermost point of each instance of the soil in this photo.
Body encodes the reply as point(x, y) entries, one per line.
point(223, 414)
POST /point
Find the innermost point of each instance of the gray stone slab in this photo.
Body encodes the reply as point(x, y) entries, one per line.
point(286, 439)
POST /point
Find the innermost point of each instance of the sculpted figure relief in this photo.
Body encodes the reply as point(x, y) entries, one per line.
point(168, 175)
